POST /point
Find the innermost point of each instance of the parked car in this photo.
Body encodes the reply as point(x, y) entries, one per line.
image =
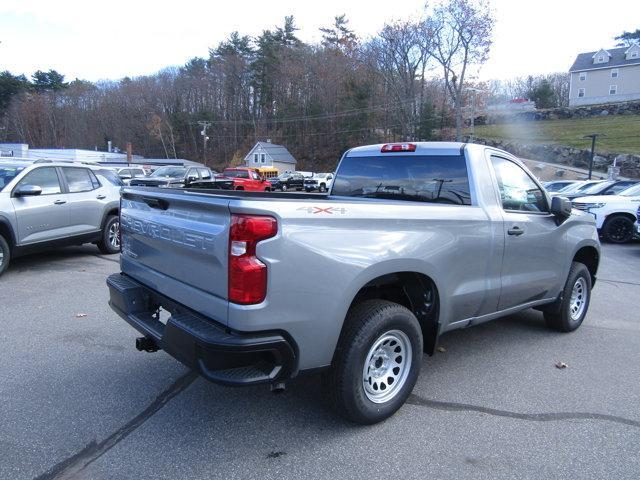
point(43, 205)
point(558, 185)
point(605, 187)
point(615, 214)
point(129, 173)
point(413, 240)
point(243, 178)
point(319, 181)
point(173, 177)
point(576, 187)
point(638, 222)
point(288, 181)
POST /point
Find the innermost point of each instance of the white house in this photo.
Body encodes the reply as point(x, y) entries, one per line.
point(605, 76)
point(267, 154)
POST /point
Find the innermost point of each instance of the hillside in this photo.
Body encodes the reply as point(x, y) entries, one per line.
point(622, 132)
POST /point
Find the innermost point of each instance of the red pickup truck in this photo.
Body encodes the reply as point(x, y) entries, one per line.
point(245, 178)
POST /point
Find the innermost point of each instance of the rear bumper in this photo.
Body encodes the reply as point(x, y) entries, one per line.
point(215, 352)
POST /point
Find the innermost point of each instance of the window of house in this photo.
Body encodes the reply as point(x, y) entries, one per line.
point(614, 73)
point(263, 158)
point(255, 158)
point(583, 76)
point(613, 89)
point(581, 93)
point(600, 59)
point(633, 54)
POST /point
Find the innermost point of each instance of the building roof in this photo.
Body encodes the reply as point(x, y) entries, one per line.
point(584, 61)
point(278, 153)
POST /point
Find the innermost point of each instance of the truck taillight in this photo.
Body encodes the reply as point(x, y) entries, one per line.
point(398, 147)
point(247, 274)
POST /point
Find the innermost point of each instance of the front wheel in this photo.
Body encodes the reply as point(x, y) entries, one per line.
point(618, 229)
point(284, 188)
point(376, 363)
point(110, 241)
point(323, 188)
point(5, 255)
point(567, 314)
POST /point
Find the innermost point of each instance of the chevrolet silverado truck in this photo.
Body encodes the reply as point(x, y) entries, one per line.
point(413, 240)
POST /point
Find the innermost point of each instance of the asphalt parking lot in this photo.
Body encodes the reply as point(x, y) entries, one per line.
point(78, 401)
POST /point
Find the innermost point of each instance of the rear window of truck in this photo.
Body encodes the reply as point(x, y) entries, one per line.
point(418, 178)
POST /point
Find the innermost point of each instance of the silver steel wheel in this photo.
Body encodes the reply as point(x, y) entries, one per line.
point(579, 297)
point(1, 257)
point(114, 235)
point(387, 366)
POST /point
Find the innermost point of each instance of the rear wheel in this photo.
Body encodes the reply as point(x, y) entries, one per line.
point(5, 254)
point(284, 188)
point(110, 241)
point(376, 363)
point(323, 188)
point(567, 314)
point(618, 229)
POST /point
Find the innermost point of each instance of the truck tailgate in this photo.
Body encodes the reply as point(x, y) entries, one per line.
point(176, 242)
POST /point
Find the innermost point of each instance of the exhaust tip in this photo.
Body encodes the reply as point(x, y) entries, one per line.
point(278, 388)
point(146, 344)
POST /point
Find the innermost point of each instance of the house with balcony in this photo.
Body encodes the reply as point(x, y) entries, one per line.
point(605, 76)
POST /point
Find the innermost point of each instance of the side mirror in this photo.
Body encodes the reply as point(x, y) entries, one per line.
point(561, 207)
point(28, 191)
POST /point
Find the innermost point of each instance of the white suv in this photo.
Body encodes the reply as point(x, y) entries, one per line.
point(615, 214)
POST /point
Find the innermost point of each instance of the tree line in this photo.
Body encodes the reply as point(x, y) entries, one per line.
point(408, 82)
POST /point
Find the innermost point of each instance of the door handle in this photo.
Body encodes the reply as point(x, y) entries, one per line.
point(101, 197)
point(60, 202)
point(515, 231)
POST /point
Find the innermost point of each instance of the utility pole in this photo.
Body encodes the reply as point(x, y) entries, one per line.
point(593, 137)
point(204, 126)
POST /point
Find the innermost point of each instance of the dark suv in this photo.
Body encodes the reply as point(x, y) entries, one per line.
point(287, 181)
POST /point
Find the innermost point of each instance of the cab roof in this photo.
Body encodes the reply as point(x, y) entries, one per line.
point(422, 148)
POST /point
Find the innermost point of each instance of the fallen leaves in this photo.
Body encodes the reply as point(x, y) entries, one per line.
point(561, 365)
point(441, 349)
point(81, 315)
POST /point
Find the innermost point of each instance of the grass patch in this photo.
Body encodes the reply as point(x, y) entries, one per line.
point(622, 132)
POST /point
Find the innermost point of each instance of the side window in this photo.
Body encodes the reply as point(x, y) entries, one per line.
point(78, 179)
point(205, 174)
point(94, 180)
point(192, 174)
point(242, 174)
point(518, 191)
point(137, 172)
point(45, 178)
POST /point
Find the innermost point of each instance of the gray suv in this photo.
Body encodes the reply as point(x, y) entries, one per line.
point(45, 205)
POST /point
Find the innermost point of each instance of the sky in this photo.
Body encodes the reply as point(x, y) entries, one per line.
point(116, 38)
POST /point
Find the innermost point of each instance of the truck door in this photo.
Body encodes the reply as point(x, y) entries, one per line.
point(534, 244)
point(42, 217)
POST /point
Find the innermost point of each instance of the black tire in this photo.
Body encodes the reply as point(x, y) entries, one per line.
point(367, 324)
point(560, 316)
point(5, 255)
point(618, 229)
point(323, 188)
point(110, 241)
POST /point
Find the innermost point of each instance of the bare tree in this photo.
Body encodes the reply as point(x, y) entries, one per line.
point(461, 32)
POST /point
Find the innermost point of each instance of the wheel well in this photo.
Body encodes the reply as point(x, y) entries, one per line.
point(239, 188)
point(590, 258)
point(6, 232)
point(630, 216)
point(113, 211)
point(413, 290)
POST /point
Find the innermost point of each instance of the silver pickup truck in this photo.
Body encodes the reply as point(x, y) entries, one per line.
point(413, 240)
